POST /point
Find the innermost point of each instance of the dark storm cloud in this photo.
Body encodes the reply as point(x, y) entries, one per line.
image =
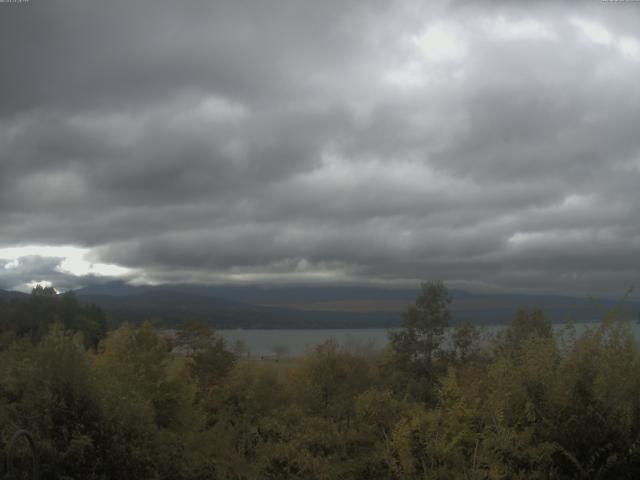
point(482, 143)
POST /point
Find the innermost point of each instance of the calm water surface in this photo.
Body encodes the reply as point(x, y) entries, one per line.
point(297, 342)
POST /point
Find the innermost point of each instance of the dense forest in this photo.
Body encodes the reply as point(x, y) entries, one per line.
point(131, 403)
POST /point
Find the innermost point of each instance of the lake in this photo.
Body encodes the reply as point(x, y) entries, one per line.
point(297, 342)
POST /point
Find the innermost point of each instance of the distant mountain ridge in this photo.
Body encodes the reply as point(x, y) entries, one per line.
point(253, 293)
point(9, 294)
point(320, 307)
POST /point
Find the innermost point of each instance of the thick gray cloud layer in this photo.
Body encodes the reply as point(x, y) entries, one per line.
point(340, 141)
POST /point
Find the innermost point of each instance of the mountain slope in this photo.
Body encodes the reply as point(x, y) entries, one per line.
point(320, 307)
point(172, 307)
point(9, 294)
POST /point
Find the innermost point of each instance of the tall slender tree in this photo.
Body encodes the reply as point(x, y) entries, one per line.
point(417, 344)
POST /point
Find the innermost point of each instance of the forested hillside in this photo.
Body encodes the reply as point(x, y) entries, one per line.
point(31, 316)
point(132, 404)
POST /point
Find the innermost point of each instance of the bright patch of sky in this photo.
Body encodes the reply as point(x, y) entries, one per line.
point(504, 28)
point(626, 45)
point(74, 260)
point(441, 42)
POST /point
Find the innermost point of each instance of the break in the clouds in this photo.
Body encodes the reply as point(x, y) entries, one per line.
point(489, 144)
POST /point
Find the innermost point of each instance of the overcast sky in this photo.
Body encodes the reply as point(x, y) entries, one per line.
point(491, 145)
